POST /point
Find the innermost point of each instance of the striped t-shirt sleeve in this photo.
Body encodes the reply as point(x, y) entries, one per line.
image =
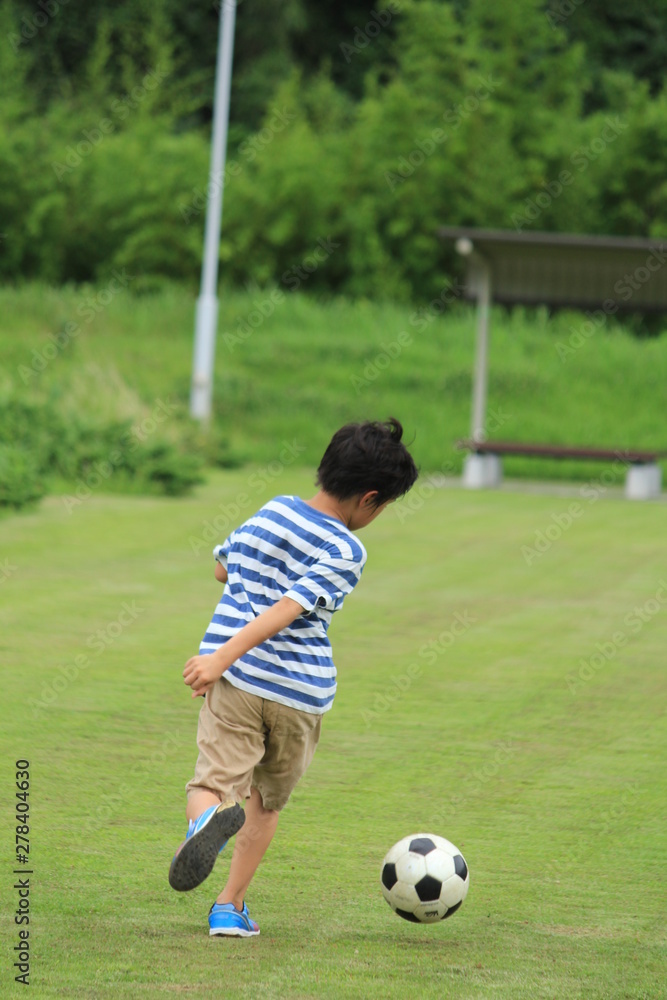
point(220, 552)
point(327, 581)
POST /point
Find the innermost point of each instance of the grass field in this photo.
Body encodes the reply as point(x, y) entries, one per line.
point(339, 361)
point(534, 739)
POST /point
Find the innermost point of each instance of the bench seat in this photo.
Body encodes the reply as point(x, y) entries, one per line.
point(483, 466)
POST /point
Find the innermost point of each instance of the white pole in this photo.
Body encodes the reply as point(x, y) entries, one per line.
point(479, 389)
point(482, 284)
point(207, 304)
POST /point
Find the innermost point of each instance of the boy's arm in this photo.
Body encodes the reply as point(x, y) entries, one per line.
point(201, 672)
point(220, 573)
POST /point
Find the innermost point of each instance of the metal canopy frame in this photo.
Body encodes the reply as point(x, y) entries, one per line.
point(559, 270)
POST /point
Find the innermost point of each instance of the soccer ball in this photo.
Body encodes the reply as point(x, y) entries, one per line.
point(424, 878)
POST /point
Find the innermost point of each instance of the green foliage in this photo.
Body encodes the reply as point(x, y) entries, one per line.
point(630, 176)
point(86, 52)
point(478, 116)
point(161, 468)
point(465, 113)
point(51, 440)
point(20, 481)
point(625, 38)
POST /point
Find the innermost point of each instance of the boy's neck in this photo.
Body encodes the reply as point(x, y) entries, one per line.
point(355, 512)
point(330, 506)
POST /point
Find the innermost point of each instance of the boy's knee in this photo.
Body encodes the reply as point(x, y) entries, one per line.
point(267, 804)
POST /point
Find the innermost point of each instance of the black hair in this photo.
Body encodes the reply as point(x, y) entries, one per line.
point(367, 456)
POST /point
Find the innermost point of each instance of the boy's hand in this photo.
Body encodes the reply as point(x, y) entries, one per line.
point(201, 673)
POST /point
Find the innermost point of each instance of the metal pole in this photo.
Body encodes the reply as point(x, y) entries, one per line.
point(480, 275)
point(480, 382)
point(207, 304)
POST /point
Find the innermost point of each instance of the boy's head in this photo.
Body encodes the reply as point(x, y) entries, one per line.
point(367, 457)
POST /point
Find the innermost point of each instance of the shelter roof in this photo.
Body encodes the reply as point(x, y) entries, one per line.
point(563, 269)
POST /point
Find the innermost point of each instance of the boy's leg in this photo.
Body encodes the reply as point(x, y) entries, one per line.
point(293, 737)
point(230, 738)
point(199, 800)
point(206, 837)
point(249, 849)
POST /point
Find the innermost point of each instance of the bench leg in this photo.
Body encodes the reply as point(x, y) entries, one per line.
point(643, 482)
point(482, 471)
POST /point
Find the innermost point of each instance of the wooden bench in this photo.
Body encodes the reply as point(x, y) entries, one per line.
point(483, 466)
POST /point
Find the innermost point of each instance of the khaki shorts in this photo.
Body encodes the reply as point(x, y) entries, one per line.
point(246, 741)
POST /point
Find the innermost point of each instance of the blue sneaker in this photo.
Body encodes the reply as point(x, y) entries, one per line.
point(206, 837)
point(224, 920)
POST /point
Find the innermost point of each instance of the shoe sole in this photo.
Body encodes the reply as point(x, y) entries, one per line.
point(233, 933)
point(194, 861)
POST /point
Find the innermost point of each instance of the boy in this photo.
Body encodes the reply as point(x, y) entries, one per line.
point(265, 664)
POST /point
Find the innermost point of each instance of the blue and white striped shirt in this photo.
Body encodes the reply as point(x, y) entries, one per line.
point(287, 549)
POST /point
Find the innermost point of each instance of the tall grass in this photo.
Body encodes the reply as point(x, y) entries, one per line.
point(291, 368)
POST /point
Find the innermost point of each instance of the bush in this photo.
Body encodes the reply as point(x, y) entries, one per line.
point(45, 441)
point(20, 481)
point(163, 469)
point(472, 121)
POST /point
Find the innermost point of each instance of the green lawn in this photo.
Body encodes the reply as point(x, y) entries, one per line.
point(296, 369)
point(534, 740)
